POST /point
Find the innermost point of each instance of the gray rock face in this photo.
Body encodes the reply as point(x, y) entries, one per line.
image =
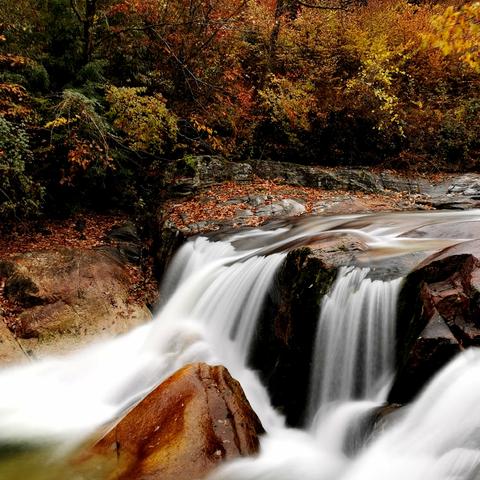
point(309, 176)
point(285, 207)
point(467, 185)
point(189, 174)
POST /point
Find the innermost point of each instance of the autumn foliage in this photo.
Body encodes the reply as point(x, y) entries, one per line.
point(109, 91)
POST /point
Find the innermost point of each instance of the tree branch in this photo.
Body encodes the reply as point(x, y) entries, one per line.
point(73, 4)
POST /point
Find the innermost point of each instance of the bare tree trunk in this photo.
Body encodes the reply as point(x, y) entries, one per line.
point(87, 19)
point(88, 24)
point(282, 7)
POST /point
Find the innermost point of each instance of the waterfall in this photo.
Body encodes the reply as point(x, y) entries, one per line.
point(215, 296)
point(354, 345)
point(212, 296)
point(438, 438)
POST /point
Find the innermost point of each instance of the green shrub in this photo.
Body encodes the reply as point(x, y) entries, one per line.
point(149, 125)
point(20, 195)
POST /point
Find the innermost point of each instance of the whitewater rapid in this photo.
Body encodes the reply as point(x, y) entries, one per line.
point(214, 292)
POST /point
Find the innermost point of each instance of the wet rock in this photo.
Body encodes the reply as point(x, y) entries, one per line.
point(369, 426)
point(464, 230)
point(69, 298)
point(10, 350)
point(193, 421)
point(433, 349)
point(167, 239)
point(450, 202)
point(439, 315)
point(284, 341)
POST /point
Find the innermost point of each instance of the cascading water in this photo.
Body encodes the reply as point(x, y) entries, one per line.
point(354, 346)
point(213, 294)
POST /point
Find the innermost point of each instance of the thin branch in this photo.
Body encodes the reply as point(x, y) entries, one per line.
point(73, 4)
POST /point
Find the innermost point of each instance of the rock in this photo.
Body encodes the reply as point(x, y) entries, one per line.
point(465, 230)
point(439, 315)
point(341, 206)
point(467, 185)
point(167, 239)
point(10, 350)
point(449, 202)
point(126, 232)
point(433, 349)
point(400, 184)
point(194, 420)
point(284, 340)
point(191, 173)
point(243, 213)
point(368, 426)
point(256, 200)
point(285, 207)
point(354, 179)
point(290, 173)
point(350, 179)
point(127, 242)
point(69, 298)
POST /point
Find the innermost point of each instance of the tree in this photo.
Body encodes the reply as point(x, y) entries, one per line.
point(86, 16)
point(456, 32)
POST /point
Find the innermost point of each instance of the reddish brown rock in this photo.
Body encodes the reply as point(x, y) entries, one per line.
point(68, 298)
point(439, 315)
point(194, 420)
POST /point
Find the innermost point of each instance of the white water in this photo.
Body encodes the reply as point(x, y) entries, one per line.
point(213, 294)
point(354, 346)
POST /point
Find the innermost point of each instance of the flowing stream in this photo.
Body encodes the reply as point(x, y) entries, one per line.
point(354, 346)
point(214, 291)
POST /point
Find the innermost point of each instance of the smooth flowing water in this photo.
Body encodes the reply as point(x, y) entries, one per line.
point(214, 292)
point(354, 346)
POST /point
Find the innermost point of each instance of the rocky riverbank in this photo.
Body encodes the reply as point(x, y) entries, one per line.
point(65, 285)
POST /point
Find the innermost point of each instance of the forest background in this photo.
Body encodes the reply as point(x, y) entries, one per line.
point(97, 97)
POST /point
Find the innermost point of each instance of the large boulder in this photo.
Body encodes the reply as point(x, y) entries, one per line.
point(284, 341)
point(196, 419)
point(68, 298)
point(439, 315)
